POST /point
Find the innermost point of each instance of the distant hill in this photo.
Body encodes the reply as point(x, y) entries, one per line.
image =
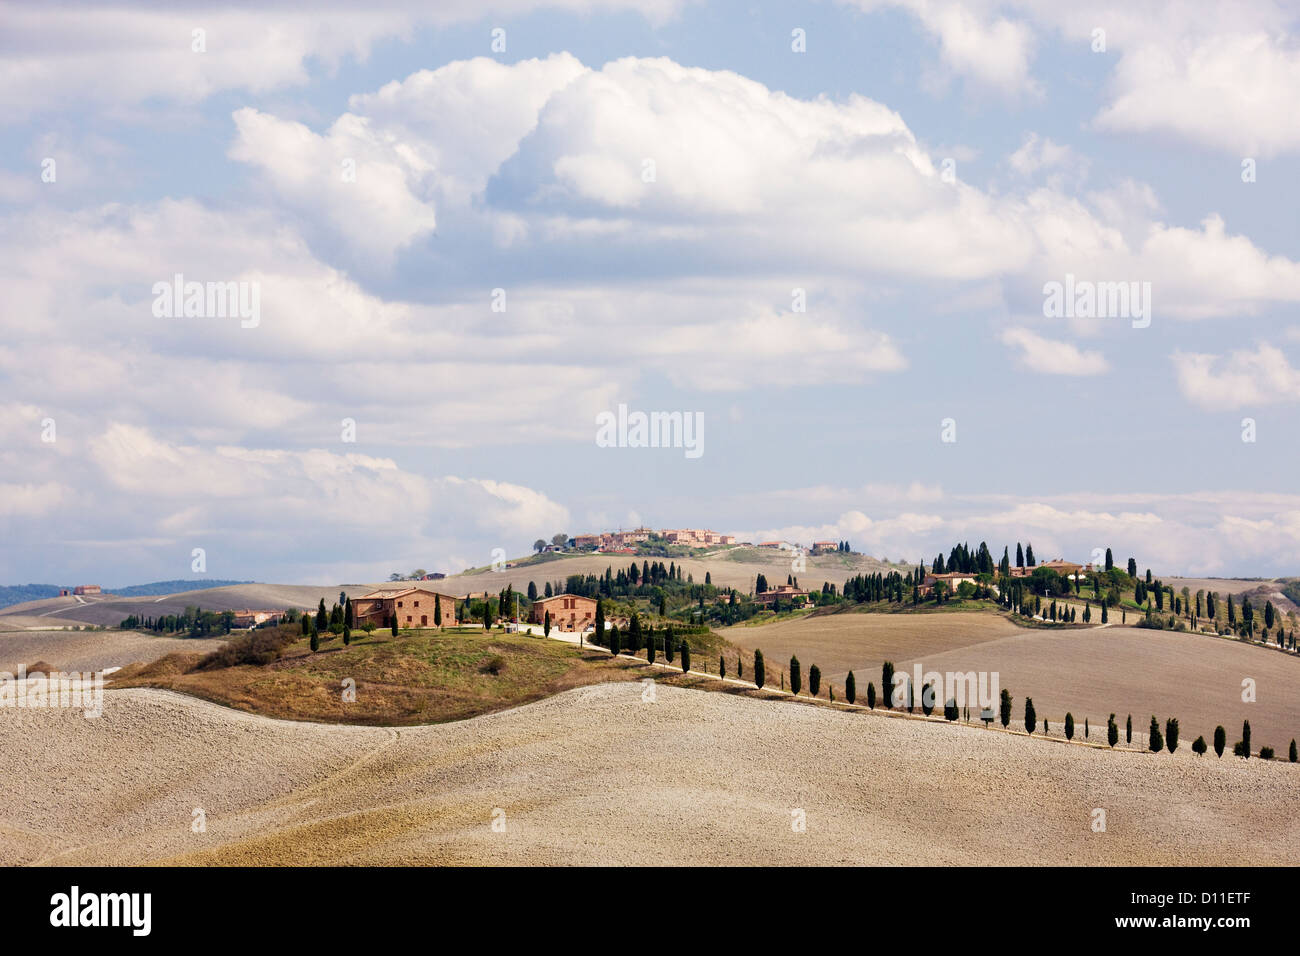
point(19, 593)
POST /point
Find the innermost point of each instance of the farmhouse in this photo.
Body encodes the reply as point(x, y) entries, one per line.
point(247, 618)
point(782, 592)
point(413, 607)
point(1066, 569)
point(569, 612)
point(87, 589)
point(824, 547)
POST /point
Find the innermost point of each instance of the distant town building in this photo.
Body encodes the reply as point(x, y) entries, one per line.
point(247, 618)
point(87, 589)
point(617, 541)
point(822, 547)
point(569, 612)
point(414, 607)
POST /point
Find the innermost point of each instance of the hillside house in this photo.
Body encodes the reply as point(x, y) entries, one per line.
point(87, 589)
point(569, 612)
point(413, 607)
point(783, 593)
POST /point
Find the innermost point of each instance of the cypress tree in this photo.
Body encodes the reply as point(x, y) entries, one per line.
point(650, 648)
point(393, 623)
point(347, 635)
point(950, 709)
point(760, 674)
point(1004, 708)
point(814, 680)
point(685, 648)
point(1220, 740)
point(887, 683)
point(1112, 731)
point(1245, 736)
point(1155, 742)
point(669, 644)
point(315, 640)
point(850, 688)
point(1031, 718)
point(546, 625)
point(487, 613)
point(871, 695)
point(1069, 726)
point(1171, 734)
point(613, 640)
point(722, 667)
point(1128, 730)
point(1291, 755)
point(322, 617)
point(796, 678)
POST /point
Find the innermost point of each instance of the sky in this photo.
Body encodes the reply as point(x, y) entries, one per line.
point(466, 232)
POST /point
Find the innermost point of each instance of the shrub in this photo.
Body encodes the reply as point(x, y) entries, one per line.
point(1198, 746)
point(950, 709)
point(495, 664)
point(1241, 749)
point(1265, 753)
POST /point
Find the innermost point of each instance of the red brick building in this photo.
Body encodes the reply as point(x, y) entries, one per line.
point(569, 612)
point(413, 607)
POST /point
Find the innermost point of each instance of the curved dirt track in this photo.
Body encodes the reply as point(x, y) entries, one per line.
point(597, 775)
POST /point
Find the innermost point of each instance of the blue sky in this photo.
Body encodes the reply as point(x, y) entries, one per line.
point(523, 169)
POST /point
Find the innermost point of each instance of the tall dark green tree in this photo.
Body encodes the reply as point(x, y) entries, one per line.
point(599, 636)
point(1171, 734)
point(1004, 708)
point(1069, 725)
point(871, 695)
point(850, 688)
point(814, 680)
point(685, 648)
point(1220, 740)
point(1112, 731)
point(322, 617)
point(1110, 560)
point(1128, 730)
point(887, 683)
point(393, 623)
point(1031, 717)
point(1245, 735)
point(1198, 746)
point(796, 676)
point(760, 672)
point(1155, 742)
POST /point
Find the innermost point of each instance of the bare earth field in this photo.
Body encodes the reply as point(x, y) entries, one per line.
point(91, 650)
point(1090, 672)
point(838, 643)
point(1096, 671)
point(597, 775)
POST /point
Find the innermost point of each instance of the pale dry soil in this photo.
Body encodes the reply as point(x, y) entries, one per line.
point(92, 650)
point(597, 775)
